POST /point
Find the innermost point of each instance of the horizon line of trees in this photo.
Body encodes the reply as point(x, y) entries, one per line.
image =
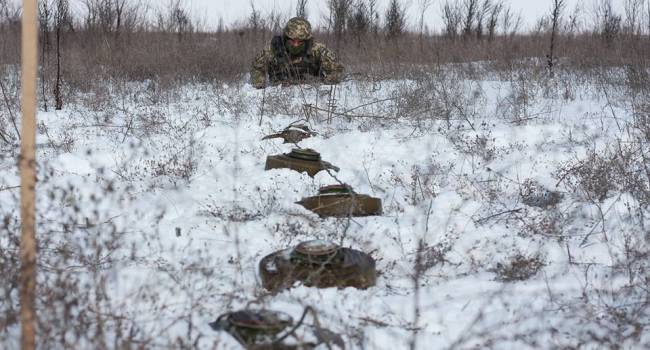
point(459, 19)
point(105, 39)
point(478, 19)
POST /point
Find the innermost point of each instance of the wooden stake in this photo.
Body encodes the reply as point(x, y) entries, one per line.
point(28, 176)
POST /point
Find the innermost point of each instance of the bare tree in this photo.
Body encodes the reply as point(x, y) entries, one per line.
point(275, 20)
point(360, 21)
point(44, 21)
point(481, 15)
point(3, 9)
point(175, 20)
point(221, 27)
point(510, 22)
point(573, 23)
point(452, 18)
point(395, 19)
point(470, 8)
point(493, 19)
point(182, 23)
point(338, 14)
point(10, 26)
point(61, 21)
point(373, 15)
point(99, 15)
point(542, 25)
point(255, 21)
point(647, 17)
point(9, 13)
point(113, 16)
point(608, 22)
point(556, 13)
point(301, 8)
point(633, 11)
point(423, 6)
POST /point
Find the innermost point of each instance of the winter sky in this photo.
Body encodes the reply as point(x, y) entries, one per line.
point(233, 10)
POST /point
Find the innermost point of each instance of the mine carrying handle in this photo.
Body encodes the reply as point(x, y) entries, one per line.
point(216, 325)
point(295, 327)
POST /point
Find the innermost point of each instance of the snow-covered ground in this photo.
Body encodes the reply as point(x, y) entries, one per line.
point(155, 210)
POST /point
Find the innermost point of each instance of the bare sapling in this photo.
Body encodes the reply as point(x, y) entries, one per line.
point(556, 13)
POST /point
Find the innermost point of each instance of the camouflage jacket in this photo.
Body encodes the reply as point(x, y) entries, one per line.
point(278, 66)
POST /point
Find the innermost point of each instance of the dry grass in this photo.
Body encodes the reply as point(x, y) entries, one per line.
point(226, 55)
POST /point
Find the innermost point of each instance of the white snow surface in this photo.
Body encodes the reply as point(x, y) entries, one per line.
point(194, 210)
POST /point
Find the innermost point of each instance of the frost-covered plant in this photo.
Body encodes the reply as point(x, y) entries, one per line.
point(547, 223)
point(426, 181)
point(231, 214)
point(440, 96)
point(642, 120)
point(519, 267)
point(9, 108)
point(620, 299)
point(80, 246)
point(480, 146)
point(591, 176)
point(600, 174)
point(435, 255)
point(524, 92)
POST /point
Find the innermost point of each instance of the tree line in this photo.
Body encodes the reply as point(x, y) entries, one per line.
point(132, 40)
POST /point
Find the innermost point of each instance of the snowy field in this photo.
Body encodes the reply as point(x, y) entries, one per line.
point(155, 209)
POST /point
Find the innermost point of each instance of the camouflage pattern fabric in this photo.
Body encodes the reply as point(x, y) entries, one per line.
point(298, 28)
point(318, 62)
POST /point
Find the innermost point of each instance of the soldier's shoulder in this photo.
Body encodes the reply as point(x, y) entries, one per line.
point(318, 46)
point(269, 47)
point(321, 51)
point(266, 52)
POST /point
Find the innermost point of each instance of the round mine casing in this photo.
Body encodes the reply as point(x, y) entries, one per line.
point(341, 201)
point(343, 267)
point(253, 327)
point(300, 160)
point(292, 134)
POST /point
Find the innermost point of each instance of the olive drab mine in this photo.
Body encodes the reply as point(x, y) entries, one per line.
point(294, 58)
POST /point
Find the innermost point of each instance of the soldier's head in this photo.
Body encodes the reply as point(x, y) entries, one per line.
point(297, 33)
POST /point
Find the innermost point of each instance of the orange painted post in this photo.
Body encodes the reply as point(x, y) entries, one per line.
point(28, 176)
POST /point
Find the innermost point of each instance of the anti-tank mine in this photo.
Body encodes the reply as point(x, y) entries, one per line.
point(341, 201)
point(253, 327)
point(292, 134)
point(301, 160)
point(274, 330)
point(320, 264)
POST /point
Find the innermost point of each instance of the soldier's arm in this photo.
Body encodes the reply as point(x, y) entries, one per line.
point(259, 69)
point(330, 66)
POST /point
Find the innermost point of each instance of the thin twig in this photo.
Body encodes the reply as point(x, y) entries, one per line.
point(342, 114)
point(368, 104)
point(4, 136)
point(11, 114)
point(426, 226)
point(600, 220)
point(262, 107)
point(611, 109)
point(498, 214)
point(365, 168)
point(331, 104)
